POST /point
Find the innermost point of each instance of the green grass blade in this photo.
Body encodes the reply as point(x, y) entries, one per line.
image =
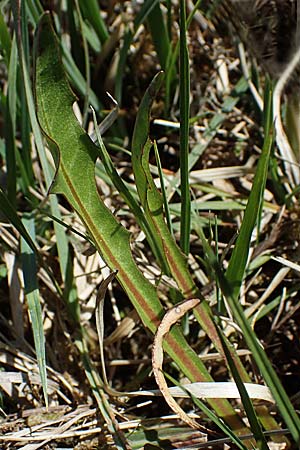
point(24, 36)
point(159, 35)
point(140, 141)
point(250, 411)
point(230, 284)
point(239, 257)
point(92, 13)
point(163, 190)
point(169, 18)
point(23, 42)
point(35, 9)
point(173, 55)
point(184, 89)
point(5, 40)
point(10, 124)
point(86, 64)
point(75, 44)
point(33, 300)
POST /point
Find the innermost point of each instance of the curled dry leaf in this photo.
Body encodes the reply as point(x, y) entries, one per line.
point(170, 318)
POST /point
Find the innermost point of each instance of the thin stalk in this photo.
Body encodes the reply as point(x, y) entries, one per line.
point(184, 85)
point(86, 63)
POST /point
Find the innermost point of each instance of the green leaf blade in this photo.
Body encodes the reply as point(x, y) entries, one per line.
point(184, 85)
point(238, 261)
point(75, 176)
point(33, 300)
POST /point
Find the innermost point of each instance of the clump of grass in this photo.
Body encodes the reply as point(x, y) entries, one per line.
point(123, 230)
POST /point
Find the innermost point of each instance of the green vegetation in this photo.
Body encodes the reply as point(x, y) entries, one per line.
point(178, 194)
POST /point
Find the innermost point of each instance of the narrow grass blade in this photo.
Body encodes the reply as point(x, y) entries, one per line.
point(140, 141)
point(22, 35)
point(99, 313)
point(173, 55)
point(5, 39)
point(86, 64)
point(159, 35)
point(169, 18)
point(33, 300)
point(35, 9)
point(255, 426)
point(184, 92)
point(239, 257)
point(107, 122)
point(92, 13)
point(10, 124)
point(163, 190)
